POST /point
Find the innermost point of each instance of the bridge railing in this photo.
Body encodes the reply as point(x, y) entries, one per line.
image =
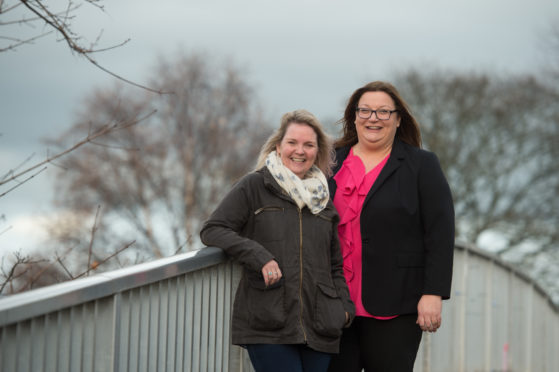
point(173, 314)
point(497, 320)
point(167, 315)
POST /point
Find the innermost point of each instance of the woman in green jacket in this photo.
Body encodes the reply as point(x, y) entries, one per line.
point(279, 223)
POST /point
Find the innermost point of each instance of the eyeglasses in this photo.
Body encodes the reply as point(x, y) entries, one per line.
point(366, 113)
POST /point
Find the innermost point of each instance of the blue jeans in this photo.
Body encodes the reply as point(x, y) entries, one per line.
point(292, 358)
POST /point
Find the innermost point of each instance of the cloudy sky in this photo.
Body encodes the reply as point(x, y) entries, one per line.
point(296, 53)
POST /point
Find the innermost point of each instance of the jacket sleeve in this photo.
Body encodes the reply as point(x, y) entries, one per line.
point(223, 229)
point(336, 260)
point(437, 213)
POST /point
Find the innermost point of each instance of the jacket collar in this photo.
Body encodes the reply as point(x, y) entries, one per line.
point(269, 180)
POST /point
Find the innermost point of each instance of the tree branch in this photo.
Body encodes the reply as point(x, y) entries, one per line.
point(128, 245)
point(90, 248)
point(22, 182)
point(101, 132)
point(60, 23)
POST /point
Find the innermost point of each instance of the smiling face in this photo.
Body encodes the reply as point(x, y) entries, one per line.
point(298, 148)
point(372, 132)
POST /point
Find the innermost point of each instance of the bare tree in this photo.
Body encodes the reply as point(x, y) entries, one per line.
point(157, 182)
point(55, 18)
point(24, 271)
point(19, 272)
point(58, 18)
point(22, 23)
point(549, 44)
point(498, 141)
point(16, 177)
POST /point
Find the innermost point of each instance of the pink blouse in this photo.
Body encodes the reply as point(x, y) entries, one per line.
point(353, 186)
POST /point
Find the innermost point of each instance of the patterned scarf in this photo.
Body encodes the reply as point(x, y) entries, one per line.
point(311, 191)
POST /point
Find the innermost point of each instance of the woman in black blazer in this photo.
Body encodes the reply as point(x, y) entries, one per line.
point(396, 231)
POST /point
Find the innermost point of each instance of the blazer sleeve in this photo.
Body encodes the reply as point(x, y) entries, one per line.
point(437, 213)
point(224, 229)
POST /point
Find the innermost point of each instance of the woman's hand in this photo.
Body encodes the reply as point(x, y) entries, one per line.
point(271, 273)
point(429, 313)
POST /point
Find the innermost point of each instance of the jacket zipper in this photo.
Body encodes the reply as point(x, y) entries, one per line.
point(301, 273)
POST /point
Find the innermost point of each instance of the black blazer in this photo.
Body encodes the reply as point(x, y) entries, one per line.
point(407, 231)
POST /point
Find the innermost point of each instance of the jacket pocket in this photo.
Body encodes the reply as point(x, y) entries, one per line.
point(268, 223)
point(329, 313)
point(266, 305)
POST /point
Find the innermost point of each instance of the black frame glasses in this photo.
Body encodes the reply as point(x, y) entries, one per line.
point(381, 114)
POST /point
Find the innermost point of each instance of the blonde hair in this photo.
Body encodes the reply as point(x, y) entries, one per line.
point(325, 156)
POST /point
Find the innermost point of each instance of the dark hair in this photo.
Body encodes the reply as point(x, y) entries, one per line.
point(408, 131)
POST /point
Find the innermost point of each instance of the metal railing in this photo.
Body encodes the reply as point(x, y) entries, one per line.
point(173, 314)
point(167, 315)
point(497, 320)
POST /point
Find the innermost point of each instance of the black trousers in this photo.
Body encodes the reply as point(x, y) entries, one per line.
point(378, 345)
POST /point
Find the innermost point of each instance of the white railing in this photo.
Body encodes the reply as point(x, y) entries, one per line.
point(173, 315)
point(168, 315)
point(497, 320)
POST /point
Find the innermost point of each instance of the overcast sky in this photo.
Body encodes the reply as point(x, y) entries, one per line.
point(296, 53)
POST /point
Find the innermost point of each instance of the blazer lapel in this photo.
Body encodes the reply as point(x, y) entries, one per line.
point(393, 163)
